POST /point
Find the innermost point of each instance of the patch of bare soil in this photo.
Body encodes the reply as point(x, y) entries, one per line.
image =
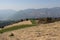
point(49, 31)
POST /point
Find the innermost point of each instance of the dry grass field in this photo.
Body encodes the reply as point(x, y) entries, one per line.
point(19, 23)
point(50, 31)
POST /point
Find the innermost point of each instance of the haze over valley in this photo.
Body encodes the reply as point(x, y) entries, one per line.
point(29, 13)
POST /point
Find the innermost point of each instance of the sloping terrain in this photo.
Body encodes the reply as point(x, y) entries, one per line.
point(49, 31)
point(19, 23)
point(37, 13)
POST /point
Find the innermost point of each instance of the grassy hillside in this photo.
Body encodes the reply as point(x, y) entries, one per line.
point(18, 27)
point(50, 31)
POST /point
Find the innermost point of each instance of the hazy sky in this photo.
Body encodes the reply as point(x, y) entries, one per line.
point(25, 4)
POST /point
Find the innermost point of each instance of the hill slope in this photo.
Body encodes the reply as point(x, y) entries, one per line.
point(19, 23)
point(29, 13)
point(49, 31)
point(37, 13)
point(6, 14)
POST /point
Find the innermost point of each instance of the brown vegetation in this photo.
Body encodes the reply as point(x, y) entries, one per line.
point(48, 20)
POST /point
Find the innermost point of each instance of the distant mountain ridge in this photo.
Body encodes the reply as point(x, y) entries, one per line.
point(6, 14)
point(29, 13)
point(37, 13)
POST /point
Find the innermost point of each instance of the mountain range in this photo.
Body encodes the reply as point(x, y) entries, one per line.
point(6, 14)
point(30, 13)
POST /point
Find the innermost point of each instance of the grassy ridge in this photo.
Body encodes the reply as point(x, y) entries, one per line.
point(18, 27)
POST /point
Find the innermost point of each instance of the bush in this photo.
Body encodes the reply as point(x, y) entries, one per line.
point(11, 34)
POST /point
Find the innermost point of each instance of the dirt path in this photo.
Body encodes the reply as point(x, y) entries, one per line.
point(41, 32)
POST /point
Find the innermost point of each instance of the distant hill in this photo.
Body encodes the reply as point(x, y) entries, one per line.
point(6, 14)
point(29, 13)
point(37, 13)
